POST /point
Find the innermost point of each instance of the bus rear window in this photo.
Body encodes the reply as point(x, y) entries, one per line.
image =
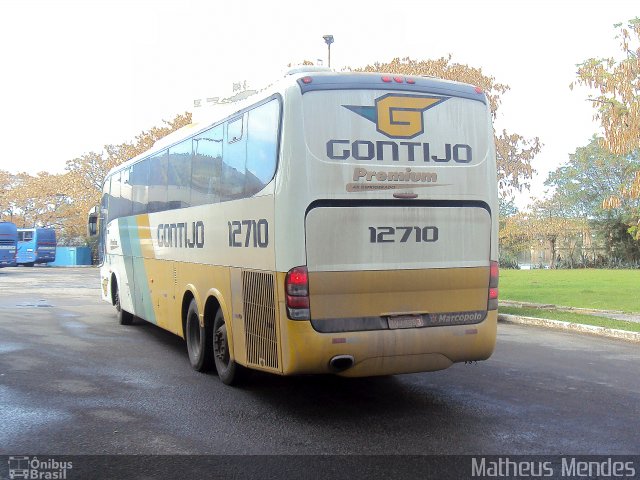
point(25, 236)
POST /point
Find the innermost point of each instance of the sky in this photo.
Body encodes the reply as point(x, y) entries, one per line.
point(78, 75)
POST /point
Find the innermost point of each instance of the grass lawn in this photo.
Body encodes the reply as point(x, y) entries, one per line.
point(584, 288)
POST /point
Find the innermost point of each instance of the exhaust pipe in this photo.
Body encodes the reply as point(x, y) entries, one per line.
point(340, 363)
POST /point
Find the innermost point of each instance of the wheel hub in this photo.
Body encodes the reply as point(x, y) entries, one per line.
point(220, 345)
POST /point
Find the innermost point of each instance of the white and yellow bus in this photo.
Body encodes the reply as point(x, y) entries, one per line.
point(333, 223)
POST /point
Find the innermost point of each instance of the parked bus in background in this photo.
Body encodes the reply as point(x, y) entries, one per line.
point(333, 223)
point(8, 244)
point(36, 245)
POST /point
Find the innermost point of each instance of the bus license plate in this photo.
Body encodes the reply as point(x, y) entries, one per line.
point(406, 321)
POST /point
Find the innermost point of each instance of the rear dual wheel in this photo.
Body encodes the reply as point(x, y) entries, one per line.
point(228, 370)
point(198, 340)
point(209, 345)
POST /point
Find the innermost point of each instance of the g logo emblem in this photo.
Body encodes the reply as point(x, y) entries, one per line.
point(401, 116)
point(398, 116)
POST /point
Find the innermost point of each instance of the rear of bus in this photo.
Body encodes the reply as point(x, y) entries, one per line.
point(386, 215)
point(45, 245)
point(8, 244)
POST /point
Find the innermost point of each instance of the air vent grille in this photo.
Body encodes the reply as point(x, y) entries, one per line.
point(260, 319)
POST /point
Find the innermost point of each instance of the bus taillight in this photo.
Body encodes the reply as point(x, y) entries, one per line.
point(297, 290)
point(493, 286)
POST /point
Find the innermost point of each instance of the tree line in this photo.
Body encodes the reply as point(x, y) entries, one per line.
point(591, 212)
point(62, 201)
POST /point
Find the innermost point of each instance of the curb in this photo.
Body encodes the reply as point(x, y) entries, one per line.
point(575, 327)
point(614, 314)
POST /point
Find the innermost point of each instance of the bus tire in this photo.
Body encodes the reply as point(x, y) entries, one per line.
point(228, 370)
point(198, 340)
point(124, 317)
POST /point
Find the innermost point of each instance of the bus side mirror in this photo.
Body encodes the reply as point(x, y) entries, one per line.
point(92, 224)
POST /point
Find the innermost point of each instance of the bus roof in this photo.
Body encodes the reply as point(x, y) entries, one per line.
point(8, 226)
point(382, 81)
point(33, 229)
point(320, 79)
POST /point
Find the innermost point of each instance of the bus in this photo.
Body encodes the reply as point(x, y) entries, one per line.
point(8, 244)
point(36, 245)
point(334, 223)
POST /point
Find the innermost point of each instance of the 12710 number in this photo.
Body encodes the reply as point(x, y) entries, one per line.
point(254, 233)
point(403, 234)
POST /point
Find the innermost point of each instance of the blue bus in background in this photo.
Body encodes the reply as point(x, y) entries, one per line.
point(36, 245)
point(8, 244)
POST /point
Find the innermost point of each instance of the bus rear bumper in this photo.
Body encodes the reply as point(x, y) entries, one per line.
point(387, 352)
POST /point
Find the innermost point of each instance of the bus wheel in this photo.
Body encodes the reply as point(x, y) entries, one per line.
point(198, 341)
point(124, 318)
point(228, 370)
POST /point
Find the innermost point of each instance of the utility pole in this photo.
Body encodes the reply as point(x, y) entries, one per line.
point(328, 39)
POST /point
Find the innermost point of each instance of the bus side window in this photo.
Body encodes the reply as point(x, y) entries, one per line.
point(179, 178)
point(262, 146)
point(105, 200)
point(114, 199)
point(234, 130)
point(233, 161)
point(158, 166)
point(139, 180)
point(206, 171)
point(126, 204)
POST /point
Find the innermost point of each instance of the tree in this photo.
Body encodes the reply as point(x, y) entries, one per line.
point(6, 183)
point(507, 207)
point(592, 175)
point(511, 240)
point(617, 104)
point(617, 83)
point(514, 237)
point(622, 250)
point(63, 201)
point(547, 223)
point(86, 173)
point(514, 152)
point(37, 200)
point(553, 223)
point(90, 169)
